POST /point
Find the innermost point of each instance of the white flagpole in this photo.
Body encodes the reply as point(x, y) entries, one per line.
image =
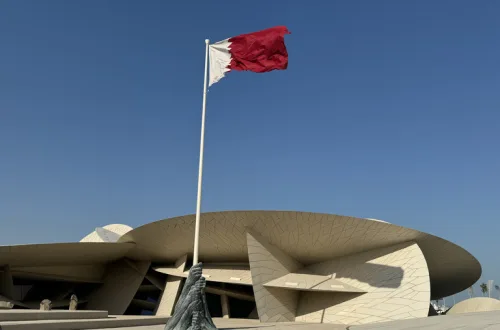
point(200, 171)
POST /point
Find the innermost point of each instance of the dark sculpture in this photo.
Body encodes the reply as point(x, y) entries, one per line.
point(191, 311)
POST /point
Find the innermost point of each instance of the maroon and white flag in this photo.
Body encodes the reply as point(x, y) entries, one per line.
point(261, 51)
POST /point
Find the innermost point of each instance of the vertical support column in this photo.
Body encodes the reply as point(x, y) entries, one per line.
point(267, 263)
point(173, 287)
point(224, 300)
point(121, 282)
point(6, 282)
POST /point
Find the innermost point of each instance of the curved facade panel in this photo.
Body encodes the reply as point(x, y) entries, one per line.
point(268, 263)
point(395, 279)
point(475, 305)
point(62, 254)
point(109, 233)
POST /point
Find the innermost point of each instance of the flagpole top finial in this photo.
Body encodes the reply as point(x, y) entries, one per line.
point(207, 41)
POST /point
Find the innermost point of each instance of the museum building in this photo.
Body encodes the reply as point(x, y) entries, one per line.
point(276, 266)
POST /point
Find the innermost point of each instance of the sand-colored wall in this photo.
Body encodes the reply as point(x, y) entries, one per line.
point(392, 283)
point(473, 305)
point(396, 281)
point(121, 282)
point(173, 287)
point(266, 264)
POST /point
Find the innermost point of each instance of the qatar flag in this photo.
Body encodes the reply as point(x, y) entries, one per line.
point(261, 51)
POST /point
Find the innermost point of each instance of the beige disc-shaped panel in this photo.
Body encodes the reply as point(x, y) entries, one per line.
point(473, 305)
point(108, 234)
point(308, 238)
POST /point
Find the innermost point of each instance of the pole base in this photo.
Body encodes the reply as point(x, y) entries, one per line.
point(191, 311)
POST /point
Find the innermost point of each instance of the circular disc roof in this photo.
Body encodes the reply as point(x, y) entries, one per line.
point(307, 237)
point(474, 305)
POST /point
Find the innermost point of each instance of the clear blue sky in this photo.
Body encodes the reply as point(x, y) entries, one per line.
point(389, 110)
